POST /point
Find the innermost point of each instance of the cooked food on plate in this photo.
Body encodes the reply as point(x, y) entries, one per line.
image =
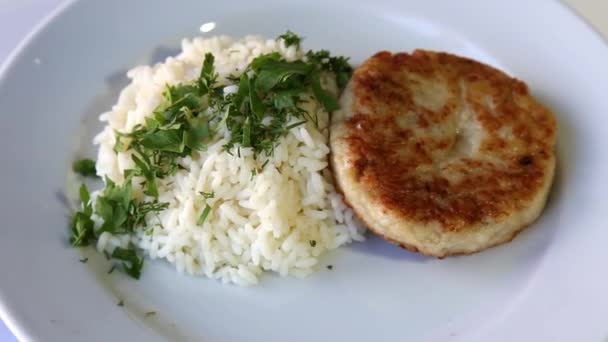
point(441, 154)
point(217, 160)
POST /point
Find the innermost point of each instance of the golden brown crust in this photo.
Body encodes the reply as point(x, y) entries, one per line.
point(406, 128)
point(412, 248)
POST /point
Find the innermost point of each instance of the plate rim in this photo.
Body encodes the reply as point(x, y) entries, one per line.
point(16, 327)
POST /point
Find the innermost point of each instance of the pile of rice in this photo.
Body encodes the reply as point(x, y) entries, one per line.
point(282, 219)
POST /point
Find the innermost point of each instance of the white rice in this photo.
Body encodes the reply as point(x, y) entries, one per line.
point(267, 222)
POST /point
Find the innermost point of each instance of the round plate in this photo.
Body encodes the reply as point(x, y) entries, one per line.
point(548, 284)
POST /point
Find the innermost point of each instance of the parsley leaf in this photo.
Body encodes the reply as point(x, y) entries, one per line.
point(264, 108)
point(273, 72)
point(259, 61)
point(120, 213)
point(207, 77)
point(178, 127)
point(132, 264)
point(338, 65)
point(170, 140)
point(197, 134)
point(291, 39)
point(113, 206)
point(85, 167)
point(285, 99)
point(82, 226)
point(82, 230)
point(257, 107)
point(325, 98)
point(258, 118)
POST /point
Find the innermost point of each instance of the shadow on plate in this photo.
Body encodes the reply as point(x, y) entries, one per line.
point(377, 247)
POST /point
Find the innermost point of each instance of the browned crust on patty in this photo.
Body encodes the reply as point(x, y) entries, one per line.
point(395, 150)
point(412, 248)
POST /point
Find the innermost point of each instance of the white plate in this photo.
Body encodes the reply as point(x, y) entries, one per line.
point(548, 284)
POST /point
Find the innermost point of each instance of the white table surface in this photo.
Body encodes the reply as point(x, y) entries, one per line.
point(18, 17)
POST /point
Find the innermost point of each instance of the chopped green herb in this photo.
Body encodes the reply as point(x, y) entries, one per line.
point(258, 119)
point(132, 264)
point(120, 303)
point(246, 141)
point(257, 107)
point(276, 72)
point(170, 140)
point(291, 39)
point(121, 214)
point(83, 260)
point(177, 129)
point(330, 267)
point(208, 76)
point(85, 167)
point(266, 106)
point(82, 225)
point(207, 194)
point(150, 313)
point(312, 243)
point(294, 125)
point(204, 215)
point(325, 98)
point(197, 134)
point(337, 65)
point(114, 206)
point(264, 164)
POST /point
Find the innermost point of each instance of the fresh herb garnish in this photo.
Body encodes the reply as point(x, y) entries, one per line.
point(269, 98)
point(85, 167)
point(330, 267)
point(336, 64)
point(329, 102)
point(132, 264)
point(176, 129)
point(81, 224)
point(120, 303)
point(149, 313)
point(257, 115)
point(291, 39)
point(264, 164)
point(121, 213)
point(266, 106)
point(207, 195)
point(83, 260)
point(204, 215)
point(312, 243)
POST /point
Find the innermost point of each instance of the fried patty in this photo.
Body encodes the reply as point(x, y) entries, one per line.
point(441, 154)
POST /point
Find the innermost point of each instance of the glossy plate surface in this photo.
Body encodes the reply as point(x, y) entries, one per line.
point(548, 284)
